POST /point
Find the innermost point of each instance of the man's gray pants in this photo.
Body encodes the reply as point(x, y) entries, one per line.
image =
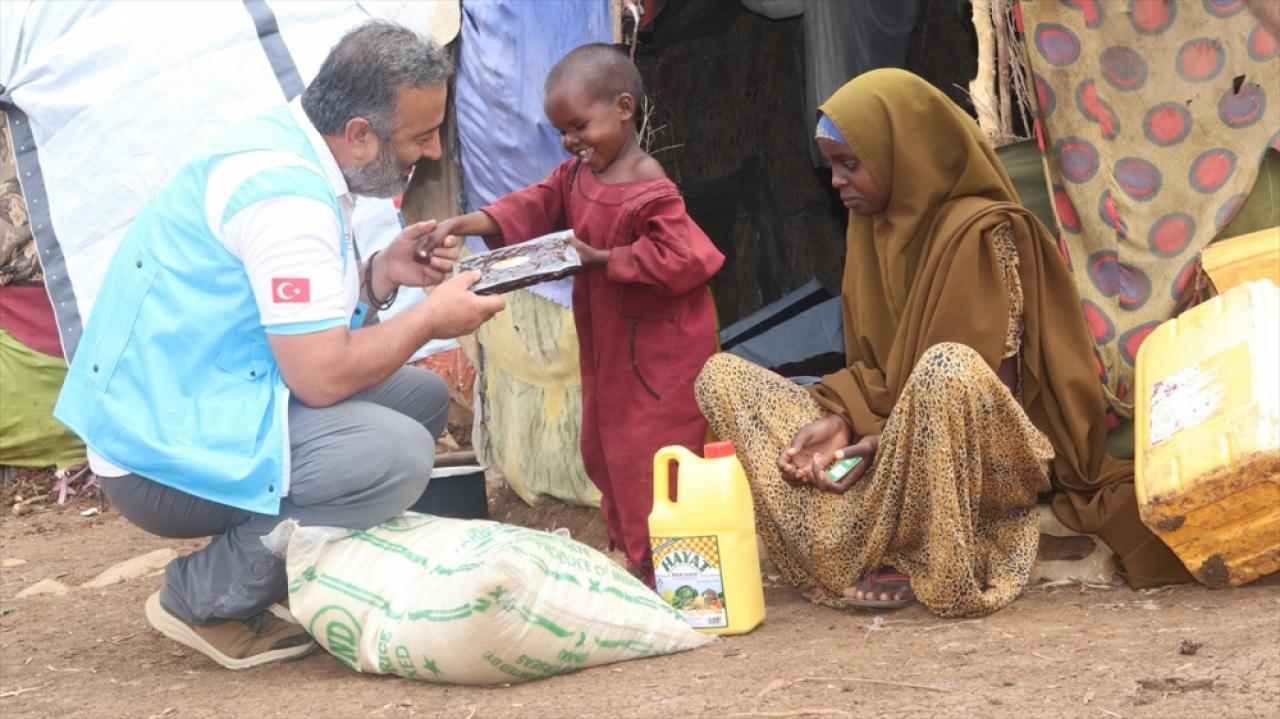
point(354, 464)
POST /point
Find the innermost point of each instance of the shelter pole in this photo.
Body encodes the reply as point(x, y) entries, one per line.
point(981, 88)
point(999, 13)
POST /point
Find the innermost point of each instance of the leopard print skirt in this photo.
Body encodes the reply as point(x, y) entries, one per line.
point(948, 500)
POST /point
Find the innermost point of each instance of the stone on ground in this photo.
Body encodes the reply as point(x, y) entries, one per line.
point(133, 568)
point(44, 586)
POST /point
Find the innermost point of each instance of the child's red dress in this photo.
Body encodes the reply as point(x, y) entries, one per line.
point(645, 325)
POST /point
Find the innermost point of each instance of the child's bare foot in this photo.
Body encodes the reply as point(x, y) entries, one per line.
point(883, 588)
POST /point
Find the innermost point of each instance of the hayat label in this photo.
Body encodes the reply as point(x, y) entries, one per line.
point(689, 578)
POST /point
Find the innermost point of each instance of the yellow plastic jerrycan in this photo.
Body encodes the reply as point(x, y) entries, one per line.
point(1207, 435)
point(704, 543)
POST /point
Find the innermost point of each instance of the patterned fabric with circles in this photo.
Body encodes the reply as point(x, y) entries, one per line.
point(1153, 117)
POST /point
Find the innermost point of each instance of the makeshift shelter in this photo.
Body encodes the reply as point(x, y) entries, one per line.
point(732, 86)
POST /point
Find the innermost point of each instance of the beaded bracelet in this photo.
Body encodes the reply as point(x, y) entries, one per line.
point(380, 305)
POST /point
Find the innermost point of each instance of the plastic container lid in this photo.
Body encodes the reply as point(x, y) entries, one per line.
point(716, 450)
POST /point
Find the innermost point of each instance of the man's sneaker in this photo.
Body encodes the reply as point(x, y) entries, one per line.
point(235, 644)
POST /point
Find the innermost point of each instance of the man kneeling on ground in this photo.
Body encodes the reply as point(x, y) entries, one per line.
point(233, 372)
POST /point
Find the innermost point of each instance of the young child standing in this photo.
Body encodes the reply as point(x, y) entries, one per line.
point(643, 313)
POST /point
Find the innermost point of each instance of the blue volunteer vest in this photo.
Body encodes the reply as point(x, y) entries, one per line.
point(174, 379)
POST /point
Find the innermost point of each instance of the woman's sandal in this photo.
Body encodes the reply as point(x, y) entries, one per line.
point(872, 583)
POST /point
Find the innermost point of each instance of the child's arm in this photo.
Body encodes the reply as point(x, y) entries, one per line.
point(532, 212)
point(671, 254)
point(515, 217)
point(472, 223)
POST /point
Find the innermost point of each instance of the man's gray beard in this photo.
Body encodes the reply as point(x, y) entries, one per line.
point(381, 177)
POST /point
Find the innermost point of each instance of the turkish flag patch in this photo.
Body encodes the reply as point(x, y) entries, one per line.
point(290, 289)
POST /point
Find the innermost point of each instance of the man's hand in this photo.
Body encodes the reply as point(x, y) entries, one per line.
point(812, 450)
point(590, 256)
point(403, 266)
point(456, 310)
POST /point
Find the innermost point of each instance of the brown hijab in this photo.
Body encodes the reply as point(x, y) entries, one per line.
point(922, 272)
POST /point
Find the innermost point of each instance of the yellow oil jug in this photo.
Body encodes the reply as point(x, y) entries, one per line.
point(705, 558)
point(1207, 435)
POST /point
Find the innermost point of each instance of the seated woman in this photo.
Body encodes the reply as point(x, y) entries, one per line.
point(969, 388)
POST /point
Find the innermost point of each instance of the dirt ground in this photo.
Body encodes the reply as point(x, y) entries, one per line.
point(1066, 651)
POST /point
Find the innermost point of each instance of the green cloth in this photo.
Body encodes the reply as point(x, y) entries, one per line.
point(1261, 208)
point(29, 385)
point(1026, 169)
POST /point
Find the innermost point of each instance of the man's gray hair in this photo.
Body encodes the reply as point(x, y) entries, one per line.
point(365, 72)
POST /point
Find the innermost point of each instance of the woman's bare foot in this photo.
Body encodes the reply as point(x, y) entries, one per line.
point(883, 588)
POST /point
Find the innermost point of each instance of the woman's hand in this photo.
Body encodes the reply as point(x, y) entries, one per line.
point(590, 256)
point(864, 448)
point(812, 449)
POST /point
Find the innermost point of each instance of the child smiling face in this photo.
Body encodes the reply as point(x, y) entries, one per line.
point(597, 129)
